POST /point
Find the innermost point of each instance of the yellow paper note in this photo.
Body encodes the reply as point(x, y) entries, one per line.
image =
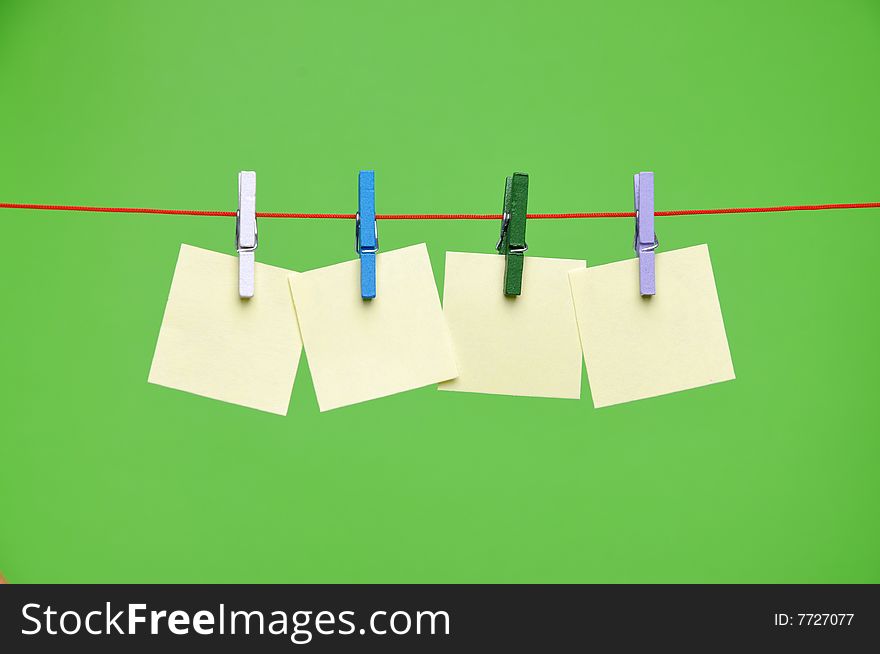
point(524, 345)
point(637, 347)
point(359, 349)
point(215, 344)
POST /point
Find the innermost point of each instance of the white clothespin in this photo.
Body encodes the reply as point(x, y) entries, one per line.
point(246, 231)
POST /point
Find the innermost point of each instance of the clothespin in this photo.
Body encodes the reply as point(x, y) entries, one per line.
point(366, 233)
point(246, 231)
point(645, 241)
point(512, 242)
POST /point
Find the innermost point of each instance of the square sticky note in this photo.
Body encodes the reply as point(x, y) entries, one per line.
point(637, 347)
point(365, 349)
point(215, 344)
point(522, 345)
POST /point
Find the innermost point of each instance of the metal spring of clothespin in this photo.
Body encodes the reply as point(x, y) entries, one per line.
point(366, 233)
point(645, 241)
point(246, 231)
point(512, 241)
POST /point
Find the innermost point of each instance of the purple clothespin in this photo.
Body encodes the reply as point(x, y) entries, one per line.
point(646, 240)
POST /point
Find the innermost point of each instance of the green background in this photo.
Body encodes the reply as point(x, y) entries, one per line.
point(769, 478)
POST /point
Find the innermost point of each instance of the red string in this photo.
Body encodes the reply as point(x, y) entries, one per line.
point(440, 216)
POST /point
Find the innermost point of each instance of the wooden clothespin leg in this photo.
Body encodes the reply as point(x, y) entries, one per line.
point(366, 233)
point(645, 241)
point(512, 243)
point(246, 231)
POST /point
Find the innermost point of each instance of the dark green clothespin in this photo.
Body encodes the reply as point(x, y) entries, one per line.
point(512, 243)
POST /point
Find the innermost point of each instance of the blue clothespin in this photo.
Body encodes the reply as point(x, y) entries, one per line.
point(645, 241)
point(366, 234)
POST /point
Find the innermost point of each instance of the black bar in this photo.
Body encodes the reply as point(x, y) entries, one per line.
point(480, 618)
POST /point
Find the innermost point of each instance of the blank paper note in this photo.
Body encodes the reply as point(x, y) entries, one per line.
point(524, 345)
point(637, 347)
point(215, 344)
point(359, 349)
